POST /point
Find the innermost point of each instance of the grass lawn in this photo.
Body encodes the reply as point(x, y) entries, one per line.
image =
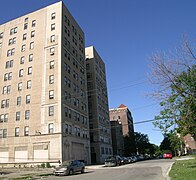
point(183, 170)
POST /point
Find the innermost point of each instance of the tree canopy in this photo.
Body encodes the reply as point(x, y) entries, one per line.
point(175, 76)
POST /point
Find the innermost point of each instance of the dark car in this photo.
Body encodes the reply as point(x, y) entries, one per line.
point(124, 160)
point(134, 158)
point(113, 161)
point(69, 167)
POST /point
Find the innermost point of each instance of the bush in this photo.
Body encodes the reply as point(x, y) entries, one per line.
point(43, 165)
point(48, 165)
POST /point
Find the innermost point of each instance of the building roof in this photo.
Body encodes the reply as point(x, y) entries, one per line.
point(122, 106)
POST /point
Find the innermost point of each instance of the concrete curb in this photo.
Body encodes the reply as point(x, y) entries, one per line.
point(94, 167)
point(167, 175)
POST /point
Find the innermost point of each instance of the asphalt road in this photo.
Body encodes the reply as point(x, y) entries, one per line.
point(144, 170)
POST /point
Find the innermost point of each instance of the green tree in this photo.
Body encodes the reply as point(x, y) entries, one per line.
point(129, 145)
point(142, 143)
point(171, 143)
point(175, 75)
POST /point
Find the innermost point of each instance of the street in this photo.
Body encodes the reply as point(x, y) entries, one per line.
point(144, 170)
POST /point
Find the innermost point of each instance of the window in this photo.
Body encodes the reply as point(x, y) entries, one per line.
point(10, 52)
point(10, 76)
point(30, 57)
point(31, 45)
point(51, 110)
point(1, 35)
point(52, 26)
point(3, 104)
point(25, 26)
point(26, 20)
point(12, 41)
point(51, 94)
point(4, 90)
point(33, 23)
point(66, 128)
point(0, 45)
point(9, 64)
point(51, 64)
point(1, 118)
point(23, 48)
point(29, 84)
point(18, 116)
point(50, 128)
point(20, 86)
point(51, 51)
point(13, 31)
point(6, 77)
point(52, 38)
point(8, 89)
point(27, 114)
point(51, 79)
point(6, 118)
point(3, 133)
point(53, 15)
point(66, 112)
point(18, 103)
point(70, 129)
point(28, 99)
point(21, 71)
point(24, 37)
point(29, 70)
point(22, 60)
point(7, 103)
point(32, 34)
point(17, 131)
point(102, 150)
point(69, 113)
point(26, 130)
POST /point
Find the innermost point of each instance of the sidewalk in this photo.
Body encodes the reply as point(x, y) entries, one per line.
point(95, 166)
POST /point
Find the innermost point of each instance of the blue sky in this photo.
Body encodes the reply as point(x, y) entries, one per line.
point(125, 34)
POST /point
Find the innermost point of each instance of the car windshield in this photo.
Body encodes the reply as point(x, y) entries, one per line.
point(66, 163)
point(110, 158)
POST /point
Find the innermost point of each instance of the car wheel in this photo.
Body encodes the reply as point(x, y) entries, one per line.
point(71, 172)
point(82, 171)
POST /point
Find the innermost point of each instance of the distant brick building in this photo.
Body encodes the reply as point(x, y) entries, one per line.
point(190, 144)
point(123, 116)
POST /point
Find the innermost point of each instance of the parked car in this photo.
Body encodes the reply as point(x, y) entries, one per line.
point(124, 160)
point(167, 155)
point(130, 159)
point(134, 158)
point(114, 160)
point(140, 157)
point(69, 167)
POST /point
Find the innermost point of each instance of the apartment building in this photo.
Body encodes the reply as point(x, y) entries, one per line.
point(44, 109)
point(123, 115)
point(99, 123)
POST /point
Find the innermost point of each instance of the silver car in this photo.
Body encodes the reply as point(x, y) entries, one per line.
point(69, 167)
